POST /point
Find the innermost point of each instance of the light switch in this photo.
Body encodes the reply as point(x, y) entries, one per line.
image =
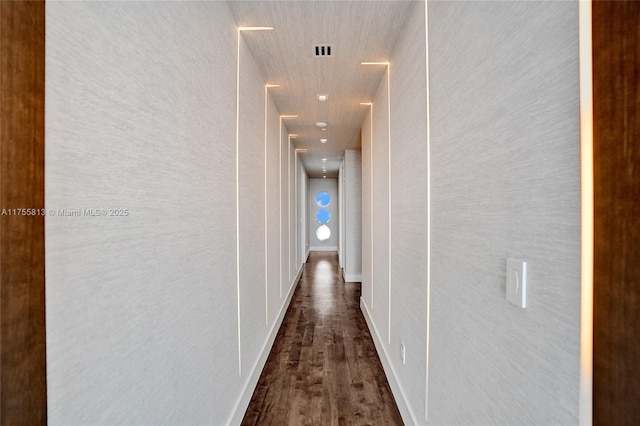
point(517, 282)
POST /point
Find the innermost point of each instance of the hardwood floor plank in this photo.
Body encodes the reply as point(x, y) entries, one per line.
point(323, 368)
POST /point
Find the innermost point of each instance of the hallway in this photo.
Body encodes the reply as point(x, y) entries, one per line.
point(323, 368)
point(196, 152)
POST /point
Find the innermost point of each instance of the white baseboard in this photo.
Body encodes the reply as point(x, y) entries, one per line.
point(296, 278)
point(352, 278)
point(307, 255)
point(408, 416)
point(322, 248)
point(250, 385)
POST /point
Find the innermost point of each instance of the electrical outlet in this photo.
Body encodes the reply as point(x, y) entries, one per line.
point(517, 282)
point(403, 354)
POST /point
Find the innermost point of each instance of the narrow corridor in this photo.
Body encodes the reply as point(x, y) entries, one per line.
point(323, 368)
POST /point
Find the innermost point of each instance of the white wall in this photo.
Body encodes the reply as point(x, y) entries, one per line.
point(378, 150)
point(396, 307)
point(142, 311)
point(351, 228)
point(251, 212)
point(504, 183)
point(330, 186)
point(368, 242)
point(292, 208)
point(341, 204)
point(285, 260)
point(301, 213)
point(274, 242)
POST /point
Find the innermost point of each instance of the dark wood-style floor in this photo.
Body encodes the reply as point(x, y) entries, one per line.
point(323, 368)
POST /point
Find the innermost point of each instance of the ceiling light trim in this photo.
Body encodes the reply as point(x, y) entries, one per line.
point(255, 28)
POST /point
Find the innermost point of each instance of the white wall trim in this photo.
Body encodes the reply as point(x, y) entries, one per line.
point(352, 278)
point(247, 390)
point(320, 248)
point(408, 416)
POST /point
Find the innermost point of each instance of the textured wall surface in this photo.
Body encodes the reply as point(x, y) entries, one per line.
point(341, 210)
point(315, 186)
point(400, 313)
point(251, 213)
point(409, 210)
point(380, 258)
point(301, 213)
point(284, 206)
point(291, 220)
point(367, 213)
point(273, 211)
point(353, 215)
point(142, 319)
point(505, 183)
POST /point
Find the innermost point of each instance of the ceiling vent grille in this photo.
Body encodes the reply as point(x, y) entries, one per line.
point(322, 50)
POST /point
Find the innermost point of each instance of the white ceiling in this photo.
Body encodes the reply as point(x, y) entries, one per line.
point(357, 31)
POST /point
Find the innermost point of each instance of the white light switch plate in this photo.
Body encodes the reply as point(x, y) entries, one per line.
point(517, 282)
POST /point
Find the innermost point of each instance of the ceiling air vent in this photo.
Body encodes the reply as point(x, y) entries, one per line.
point(322, 50)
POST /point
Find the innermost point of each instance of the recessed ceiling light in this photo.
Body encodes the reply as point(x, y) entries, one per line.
point(322, 124)
point(324, 160)
point(322, 98)
point(323, 140)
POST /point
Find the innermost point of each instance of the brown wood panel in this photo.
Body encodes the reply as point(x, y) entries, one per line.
point(323, 368)
point(22, 307)
point(616, 90)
